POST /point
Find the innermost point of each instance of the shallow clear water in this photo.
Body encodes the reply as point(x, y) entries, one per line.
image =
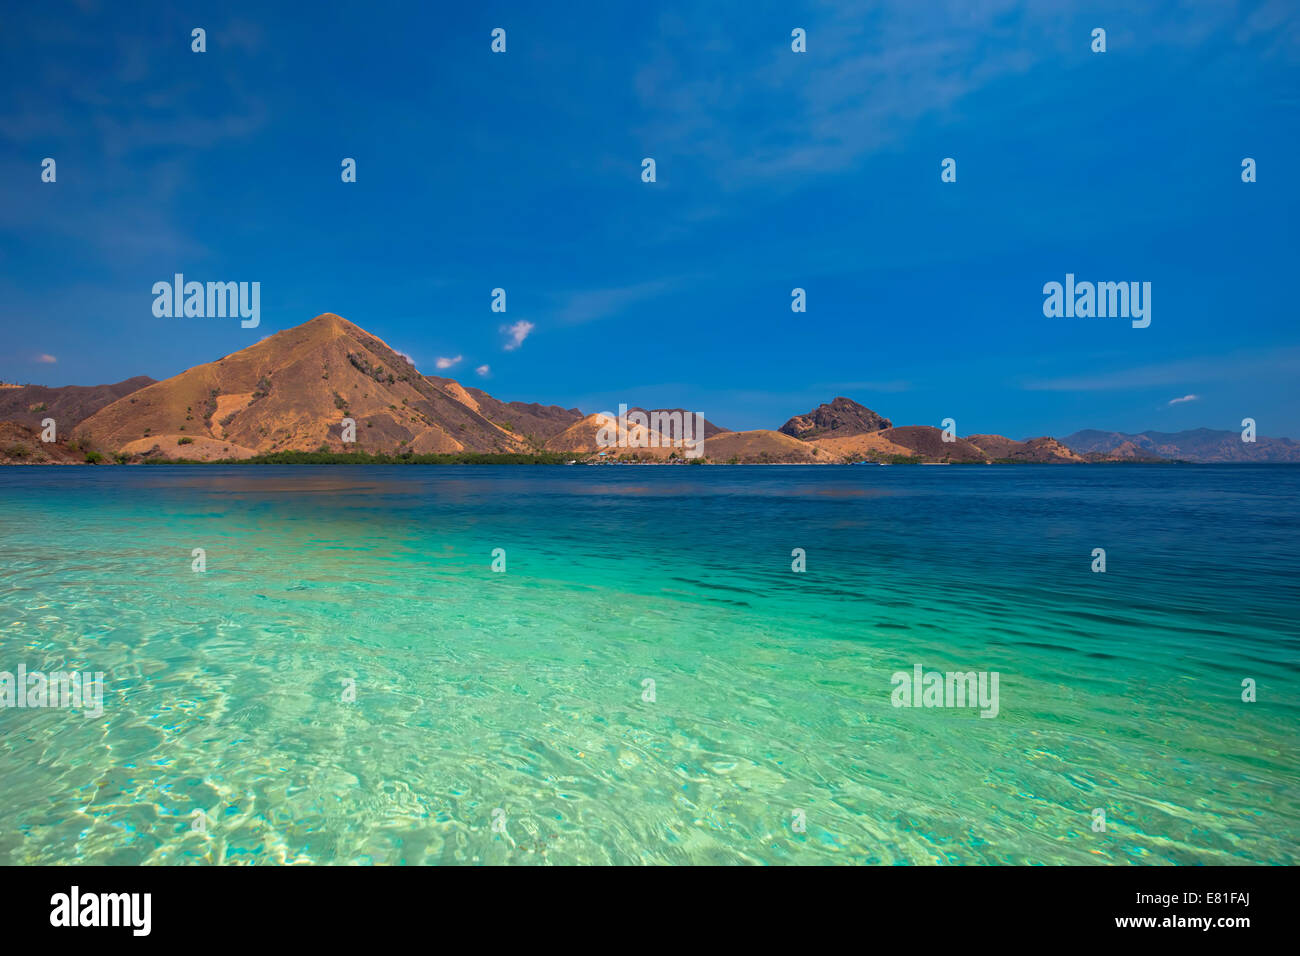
point(523, 691)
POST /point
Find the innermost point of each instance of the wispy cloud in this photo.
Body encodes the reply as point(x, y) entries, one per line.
point(592, 304)
point(1209, 368)
point(137, 125)
point(483, 370)
point(1185, 398)
point(46, 359)
point(872, 70)
point(517, 332)
point(444, 362)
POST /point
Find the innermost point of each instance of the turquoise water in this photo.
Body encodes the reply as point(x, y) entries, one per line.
point(522, 691)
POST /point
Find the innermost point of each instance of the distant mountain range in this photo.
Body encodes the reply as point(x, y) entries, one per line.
point(291, 392)
point(1198, 444)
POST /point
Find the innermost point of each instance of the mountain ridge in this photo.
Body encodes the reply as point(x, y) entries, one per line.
point(298, 389)
point(1198, 445)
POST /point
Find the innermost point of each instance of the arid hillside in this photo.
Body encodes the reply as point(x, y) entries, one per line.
point(68, 405)
point(21, 445)
point(840, 418)
point(1041, 450)
point(530, 421)
point(761, 446)
point(635, 440)
point(292, 392)
point(927, 442)
point(296, 390)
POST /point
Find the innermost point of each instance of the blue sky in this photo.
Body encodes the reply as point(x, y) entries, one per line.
point(775, 170)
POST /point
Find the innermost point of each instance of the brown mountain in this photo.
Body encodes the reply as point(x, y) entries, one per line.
point(927, 442)
point(1124, 451)
point(761, 446)
point(580, 437)
point(839, 419)
point(529, 419)
point(21, 445)
point(290, 392)
point(710, 429)
point(68, 405)
point(532, 423)
point(1045, 450)
point(995, 446)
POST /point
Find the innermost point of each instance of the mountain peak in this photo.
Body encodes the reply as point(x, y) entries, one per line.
point(838, 419)
point(293, 391)
point(332, 320)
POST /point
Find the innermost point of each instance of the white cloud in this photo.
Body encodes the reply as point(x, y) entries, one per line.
point(444, 362)
point(517, 332)
point(45, 359)
point(1185, 398)
point(483, 369)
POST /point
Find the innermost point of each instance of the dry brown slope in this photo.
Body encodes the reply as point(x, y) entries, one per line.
point(927, 442)
point(581, 438)
point(68, 405)
point(1043, 450)
point(533, 422)
point(1047, 450)
point(996, 446)
point(869, 447)
point(751, 447)
point(762, 445)
point(291, 391)
point(21, 445)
